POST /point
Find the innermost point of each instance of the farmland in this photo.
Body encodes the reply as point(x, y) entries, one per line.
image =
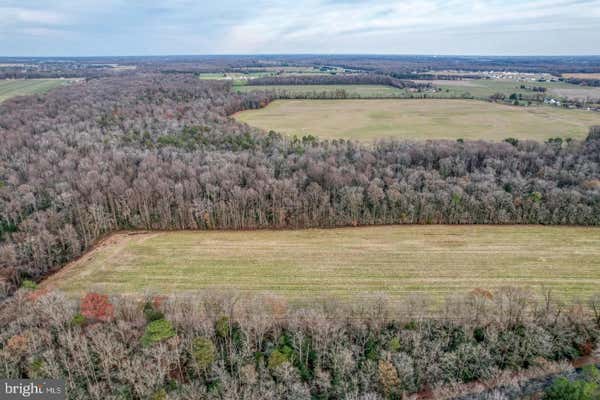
point(419, 119)
point(484, 88)
point(343, 263)
point(365, 91)
point(22, 87)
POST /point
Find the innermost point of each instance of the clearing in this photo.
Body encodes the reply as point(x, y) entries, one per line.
point(419, 119)
point(344, 263)
point(23, 87)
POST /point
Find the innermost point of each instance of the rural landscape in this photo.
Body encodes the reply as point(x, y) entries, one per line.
point(315, 225)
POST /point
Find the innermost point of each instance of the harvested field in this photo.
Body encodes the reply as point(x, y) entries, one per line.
point(419, 119)
point(345, 263)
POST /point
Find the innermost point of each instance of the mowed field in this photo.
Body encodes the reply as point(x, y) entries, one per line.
point(346, 263)
point(23, 87)
point(419, 119)
point(351, 90)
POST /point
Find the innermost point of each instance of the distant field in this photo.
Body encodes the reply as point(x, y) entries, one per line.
point(242, 77)
point(343, 263)
point(351, 90)
point(484, 88)
point(582, 75)
point(22, 87)
point(419, 119)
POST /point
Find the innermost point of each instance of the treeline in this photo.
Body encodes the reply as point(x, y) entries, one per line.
point(346, 79)
point(583, 81)
point(224, 346)
point(161, 152)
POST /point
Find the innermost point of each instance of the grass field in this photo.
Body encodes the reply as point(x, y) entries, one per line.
point(343, 263)
point(419, 119)
point(351, 90)
point(484, 88)
point(589, 75)
point(23, 87)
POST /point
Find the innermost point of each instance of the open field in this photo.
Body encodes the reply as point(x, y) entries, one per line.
point(351, 90)
point(419, 119)
point(23, 87)
point(589, 75)
point(343, 263)
point(484, 88)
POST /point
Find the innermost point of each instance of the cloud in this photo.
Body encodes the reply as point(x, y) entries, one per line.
point(29, 16)
point(277, 26)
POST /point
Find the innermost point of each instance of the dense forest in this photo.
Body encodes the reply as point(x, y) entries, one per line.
point(159, 151)
point(351, 79)
point(222, 346)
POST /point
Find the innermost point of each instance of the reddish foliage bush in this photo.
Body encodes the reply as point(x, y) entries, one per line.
point(96, 306)
point(17, 344)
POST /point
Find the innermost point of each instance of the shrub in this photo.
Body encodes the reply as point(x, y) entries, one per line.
point(203, 351)
point(96, 306)
point(78, 320)
point(277, 359)
point(591, 374)
point(394, 344)
point(563, 389)
point(157, 331)
point(388, 377)
point(160, 394)
point(35, 369)
point(222, 327)
point(29, 284)
point(479, 334)
point(17, 344)
point(151, 313)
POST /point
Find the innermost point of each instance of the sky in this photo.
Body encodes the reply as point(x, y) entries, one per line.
point(169, 27)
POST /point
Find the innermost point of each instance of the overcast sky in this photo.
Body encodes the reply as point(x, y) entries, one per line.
point(137, 27)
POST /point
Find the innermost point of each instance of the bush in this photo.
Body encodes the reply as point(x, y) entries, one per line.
point(203, 351)
point(29, 284)
point(591, 374)
point(96, 306)
point(157, 331)
point(151, 313)
point(222, 327)
point(388, 377)
point(563, 389)
point(394, 344)
point(276, 359)
point(78, 320)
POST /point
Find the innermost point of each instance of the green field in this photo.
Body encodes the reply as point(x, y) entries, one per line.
point(419, 119)
point(351, 90)
point(343, 263)
point(24, 87)
point(484, 88)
